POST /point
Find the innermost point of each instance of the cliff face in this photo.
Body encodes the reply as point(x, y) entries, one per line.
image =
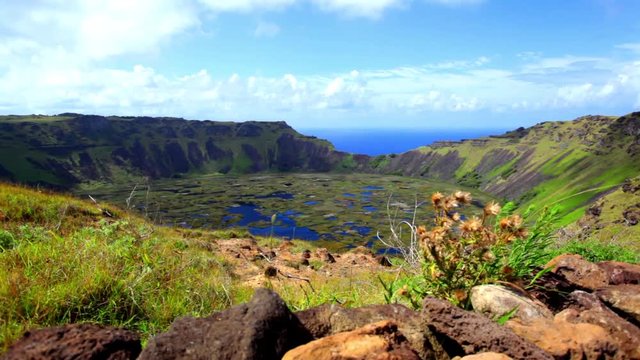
point(64, 150)
point(540, 165)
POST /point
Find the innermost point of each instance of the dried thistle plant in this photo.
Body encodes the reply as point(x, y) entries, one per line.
point(458, 252)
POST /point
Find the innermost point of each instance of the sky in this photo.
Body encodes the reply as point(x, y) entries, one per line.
point(324, 64)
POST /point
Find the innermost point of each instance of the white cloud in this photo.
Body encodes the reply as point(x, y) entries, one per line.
point(99, 28)
point(364, 8)
point(246, 5)
point(633, 47)
point(266, 29)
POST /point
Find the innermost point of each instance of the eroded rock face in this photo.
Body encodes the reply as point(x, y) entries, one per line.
point(565, 340)
point(579, 271)
point(465, 333)
point(263, 328)
point(495, 301)
point(331, 319)
point(76, 341)
point(380, 340)
point(623, 298)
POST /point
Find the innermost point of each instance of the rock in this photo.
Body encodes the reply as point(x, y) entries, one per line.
point(487, 356)
point(494, 301)
point(76, 341)
point(464, 333)
point(330, 319)
point(579, 271)
point(565, 340)
point(270, 271)
point(379, 340)
point(327, 257)
point(383, 260)
point(551, 289)
point(624, 298)
point(263, 328)
point(587, 308)
point(620, 273)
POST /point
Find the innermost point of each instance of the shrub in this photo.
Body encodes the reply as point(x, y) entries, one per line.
point(456, 253)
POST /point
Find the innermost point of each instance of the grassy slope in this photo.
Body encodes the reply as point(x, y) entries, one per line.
point(64, 260)
point(567, 154)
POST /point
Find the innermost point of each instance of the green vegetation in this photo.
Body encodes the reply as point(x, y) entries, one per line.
point(458, 254)
point(65, 260)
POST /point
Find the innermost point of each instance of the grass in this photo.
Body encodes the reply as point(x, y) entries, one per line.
point(63, 260)
point(69, 262)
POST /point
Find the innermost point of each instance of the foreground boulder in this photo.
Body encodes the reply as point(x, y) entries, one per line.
point(495, 301)
point(331, 319)
point(579, 271)
point(263, 328)
point(623, 298)
point(78, 342)
point(380, 340)
point(465, 333)
point(565, 340)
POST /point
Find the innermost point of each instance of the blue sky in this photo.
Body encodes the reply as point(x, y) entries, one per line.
point(416, 64)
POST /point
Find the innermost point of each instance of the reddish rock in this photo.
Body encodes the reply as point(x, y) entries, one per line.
point(263, 328)
point(587, 308)
point(330, 319)
point(76, 341)
point(620, 273)
point(465, 333)
point(624, 298)
point(579, 271)
point(487, 356)
point(565, 340)
point(377, 341)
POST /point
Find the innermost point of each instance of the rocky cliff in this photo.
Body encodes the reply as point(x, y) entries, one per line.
point(68, 149)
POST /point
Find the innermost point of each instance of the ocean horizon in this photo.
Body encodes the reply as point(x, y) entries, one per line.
point(392, 141)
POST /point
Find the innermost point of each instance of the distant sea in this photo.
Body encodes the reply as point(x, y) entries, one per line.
point(389, 141)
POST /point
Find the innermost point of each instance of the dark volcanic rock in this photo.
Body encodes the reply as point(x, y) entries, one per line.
point(214, 152)
point(195, 154)
point(176, 157)
point(76, 341)
point(463, 333)
point(264, 328)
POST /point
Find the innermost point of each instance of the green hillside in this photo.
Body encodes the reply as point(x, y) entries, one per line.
point(566, 163)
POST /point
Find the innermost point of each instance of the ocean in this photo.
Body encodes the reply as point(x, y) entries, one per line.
point(392, 141)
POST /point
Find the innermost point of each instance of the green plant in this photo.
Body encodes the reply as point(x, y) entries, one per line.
point(460, 253)
point(595, 251)
point(7, 241)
